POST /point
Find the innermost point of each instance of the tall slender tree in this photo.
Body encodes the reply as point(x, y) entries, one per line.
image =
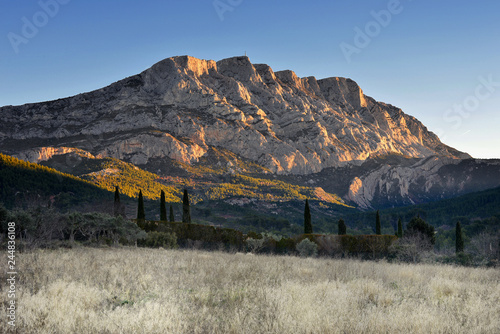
point(116, 206)
point(186, 210)
point(172, 217)
point(342, 227)
point(399, 234)
point(378, 228)
point(141, 215)
point(459, 240)
point(163, 207)
point(308, 229)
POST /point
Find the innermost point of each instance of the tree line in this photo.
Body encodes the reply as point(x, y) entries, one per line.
point(416, 229)
point(119, 210)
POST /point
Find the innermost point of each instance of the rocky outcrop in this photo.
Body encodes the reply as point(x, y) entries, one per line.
point(425, 180)
point(182, 106)
point(45, 153)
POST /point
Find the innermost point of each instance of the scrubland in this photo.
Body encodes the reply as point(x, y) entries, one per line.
point(136, 290)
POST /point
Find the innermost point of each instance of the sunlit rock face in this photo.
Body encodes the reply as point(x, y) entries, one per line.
point(182, 106)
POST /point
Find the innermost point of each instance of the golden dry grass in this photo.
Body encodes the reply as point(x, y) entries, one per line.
point(132, 290)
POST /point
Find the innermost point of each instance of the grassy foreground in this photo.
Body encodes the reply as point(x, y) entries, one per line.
point(135, 290)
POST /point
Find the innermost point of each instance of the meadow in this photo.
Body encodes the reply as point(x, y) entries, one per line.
point(138, 290)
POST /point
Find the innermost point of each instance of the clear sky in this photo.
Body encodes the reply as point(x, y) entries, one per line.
point(436, 60)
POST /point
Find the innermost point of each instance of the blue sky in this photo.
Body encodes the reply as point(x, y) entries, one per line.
point(436, 60)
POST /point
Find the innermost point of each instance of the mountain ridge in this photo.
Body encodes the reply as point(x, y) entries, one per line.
point(182, 108)
point(311, 124)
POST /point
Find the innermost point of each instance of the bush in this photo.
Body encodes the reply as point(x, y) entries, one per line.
point(255, 245)
point(417, 226)
point(307, 248)
point(410, 248)
point(159, 239)
point(286, 246)
point(343, 245)
point(264, 242)
point(209, 236)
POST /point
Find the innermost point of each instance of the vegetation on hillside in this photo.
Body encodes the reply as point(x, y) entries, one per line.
point(243, 202)
point(479, 205)
point(108, 173)
point(23, 181)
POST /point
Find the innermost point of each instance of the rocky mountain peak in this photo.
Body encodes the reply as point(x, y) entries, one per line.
point(238, 68)
point(182, 106)
point(266, 73)
point(290, 78)
point(187, 64)
point(343, 90)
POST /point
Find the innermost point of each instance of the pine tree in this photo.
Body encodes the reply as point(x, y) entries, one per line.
point(377, 224)
point(459, 240)
point(186, 210)
point(342, 227)
point(141, 215)
point(163, 207)
point(172, 217)
point(116, 207)
point(308, 229)
point(400, 229)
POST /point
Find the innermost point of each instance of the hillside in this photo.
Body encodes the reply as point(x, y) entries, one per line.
point(230, 191)
point(473, 206)
point(24, 182)
point(236, 201)
point(478, 214)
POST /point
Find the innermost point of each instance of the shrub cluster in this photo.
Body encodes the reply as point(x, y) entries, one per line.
point(156, 239)
point(325, 245)
point(45, 227)
point(210, 237)
point(307, 248)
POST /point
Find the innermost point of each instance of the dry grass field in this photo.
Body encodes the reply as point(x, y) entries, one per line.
point(136, 290)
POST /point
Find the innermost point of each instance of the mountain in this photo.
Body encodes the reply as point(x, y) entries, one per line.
point(182, 110)
point(395, 180)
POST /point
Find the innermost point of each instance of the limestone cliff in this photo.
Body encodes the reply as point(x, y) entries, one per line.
point(182, 106)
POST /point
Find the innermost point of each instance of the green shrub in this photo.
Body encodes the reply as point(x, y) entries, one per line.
point(286, 246)
point(210, 236)
point(307, 248)
point(159, 239)
point(255, 245)
point(418, 226)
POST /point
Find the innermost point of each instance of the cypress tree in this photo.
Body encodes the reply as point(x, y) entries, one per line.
point(342, 227)
point(116, 207)
point(400, 229)
point(172, 218)
point(163, 207)
point(141, 215)
point(308, 229)
point(186, 210)
point(377, 224)
point(459, 240)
